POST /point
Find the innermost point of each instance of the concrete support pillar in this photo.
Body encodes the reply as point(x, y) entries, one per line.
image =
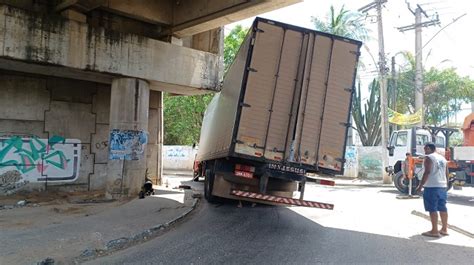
point(126, 168)
point(160, 139)
point(155, 140)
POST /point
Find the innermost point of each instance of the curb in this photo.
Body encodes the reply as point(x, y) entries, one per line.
point(345, 182)
point(368, 185)
point(364, 185)
point(178, 173)
point(125, 242)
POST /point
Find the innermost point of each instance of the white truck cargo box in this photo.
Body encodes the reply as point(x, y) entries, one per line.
point(285, 99)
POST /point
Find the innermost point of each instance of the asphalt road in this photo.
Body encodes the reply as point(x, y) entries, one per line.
point(364, 228)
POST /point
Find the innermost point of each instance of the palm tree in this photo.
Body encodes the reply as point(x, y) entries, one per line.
point(345, 23)
point(366, 116)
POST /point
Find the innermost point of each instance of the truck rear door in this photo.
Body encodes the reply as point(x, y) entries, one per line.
point(326, 102)
point(269, 95)
point(297, 97)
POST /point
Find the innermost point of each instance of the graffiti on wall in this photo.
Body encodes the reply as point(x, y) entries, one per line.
point(38, 160)
point(127, 144)
point(370, 162)
point(178, 157)
point(351, 157)
point(177, 153)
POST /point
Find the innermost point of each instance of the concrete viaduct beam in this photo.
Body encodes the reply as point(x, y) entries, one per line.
point(195, 16)
point(76, 47)
point(82, 5)
point(182, 18)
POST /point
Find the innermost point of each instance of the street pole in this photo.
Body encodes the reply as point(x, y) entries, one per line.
point(377, 4)
point(418, 55)
point(394, 90)
point(383, 91)
point(419, 67)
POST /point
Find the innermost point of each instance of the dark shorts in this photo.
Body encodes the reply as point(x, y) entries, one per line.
point(435, 199)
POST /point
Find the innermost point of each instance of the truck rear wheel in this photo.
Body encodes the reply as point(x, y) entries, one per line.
point(209, 185)
point(401, 183)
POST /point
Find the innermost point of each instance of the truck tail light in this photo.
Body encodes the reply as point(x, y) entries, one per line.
point(244, 171)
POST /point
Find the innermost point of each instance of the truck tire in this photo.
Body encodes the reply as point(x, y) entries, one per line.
point(208, 186)
point(401, 183)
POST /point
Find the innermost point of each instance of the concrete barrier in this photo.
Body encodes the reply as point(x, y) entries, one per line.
point(364, 162)
point(178, 157)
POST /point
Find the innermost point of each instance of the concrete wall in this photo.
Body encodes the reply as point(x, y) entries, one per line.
point(361, 161)
point(178, 157)
point(364, 162)
point(54, 134)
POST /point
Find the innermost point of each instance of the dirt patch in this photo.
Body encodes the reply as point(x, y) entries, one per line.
point(69, 210)
point(16, 225)
point(53, 197)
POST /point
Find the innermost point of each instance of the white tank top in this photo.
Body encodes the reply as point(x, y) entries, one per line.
point(437, 177)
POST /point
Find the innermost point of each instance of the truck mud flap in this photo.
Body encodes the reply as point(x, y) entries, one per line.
point(281, 200)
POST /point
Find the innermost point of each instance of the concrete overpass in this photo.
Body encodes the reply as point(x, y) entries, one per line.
point(81, 85)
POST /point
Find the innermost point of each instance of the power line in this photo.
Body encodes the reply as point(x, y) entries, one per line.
point(452, 22)
point(439, 8)
point(433, 3)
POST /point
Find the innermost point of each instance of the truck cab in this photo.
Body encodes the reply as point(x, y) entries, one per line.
point(410, 141)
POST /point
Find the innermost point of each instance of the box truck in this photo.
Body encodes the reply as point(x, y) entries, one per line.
point(283, 111)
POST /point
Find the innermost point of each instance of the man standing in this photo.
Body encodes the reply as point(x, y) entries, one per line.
point(435, 184)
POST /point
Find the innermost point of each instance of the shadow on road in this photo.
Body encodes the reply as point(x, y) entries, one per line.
point(224, 234)
point(163, 192)
point(460, 200)
point(394, 191)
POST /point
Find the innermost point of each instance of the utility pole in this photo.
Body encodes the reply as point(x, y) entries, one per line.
point(419, 67)
point(419, 54)
point(382, 69)
point(394, 90)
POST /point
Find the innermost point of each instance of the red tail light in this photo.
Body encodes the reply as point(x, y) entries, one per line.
point(244, 168)
point(244, 171)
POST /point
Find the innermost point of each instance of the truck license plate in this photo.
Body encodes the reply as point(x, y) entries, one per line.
point(284, 168)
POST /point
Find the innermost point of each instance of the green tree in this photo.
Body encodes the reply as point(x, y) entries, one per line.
point(183, 114)
point(368, 119)
point(232, 44)
point(344, 23)
point(444, 91)
point(183, 117)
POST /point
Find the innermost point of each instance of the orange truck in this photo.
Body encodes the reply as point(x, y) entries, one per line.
point(463, 156)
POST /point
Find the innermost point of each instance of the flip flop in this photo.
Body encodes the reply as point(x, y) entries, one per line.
point(429, 234)
point(444, 234)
